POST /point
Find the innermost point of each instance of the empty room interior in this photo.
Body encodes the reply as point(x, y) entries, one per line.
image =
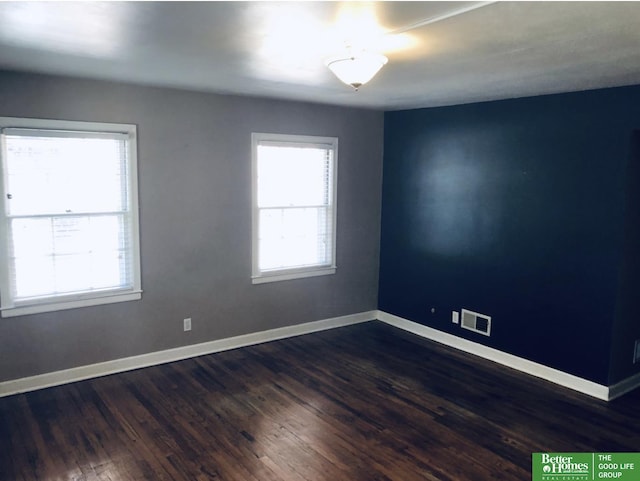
point(282, 241)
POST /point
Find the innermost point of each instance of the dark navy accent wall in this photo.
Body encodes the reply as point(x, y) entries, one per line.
point(627, 326)
point(514, 209)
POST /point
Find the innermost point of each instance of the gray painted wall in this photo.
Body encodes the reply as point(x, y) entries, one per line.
point(194, 155)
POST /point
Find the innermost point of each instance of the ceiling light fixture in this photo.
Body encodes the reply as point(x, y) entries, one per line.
point(357, 69)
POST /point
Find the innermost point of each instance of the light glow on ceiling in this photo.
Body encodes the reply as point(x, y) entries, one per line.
point(296, 42)
point(93, 31)
point(357, 25)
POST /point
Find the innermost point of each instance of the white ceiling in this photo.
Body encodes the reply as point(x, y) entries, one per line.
point(438, 53)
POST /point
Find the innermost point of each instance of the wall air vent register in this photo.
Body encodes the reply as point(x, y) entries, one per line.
point(476, 322)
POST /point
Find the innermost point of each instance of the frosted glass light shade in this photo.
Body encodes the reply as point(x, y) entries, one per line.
point(357, 70)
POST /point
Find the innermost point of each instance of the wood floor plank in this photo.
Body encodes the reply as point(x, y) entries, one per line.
point(362, 403)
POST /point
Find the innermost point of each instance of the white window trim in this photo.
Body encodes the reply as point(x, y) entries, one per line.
point(74, 300)
point(261, 277)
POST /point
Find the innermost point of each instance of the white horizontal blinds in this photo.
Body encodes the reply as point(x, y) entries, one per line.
point(69, 226)
point(53, 174)
point(295, 202)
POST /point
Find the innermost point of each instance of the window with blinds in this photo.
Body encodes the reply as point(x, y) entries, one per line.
point(294, 214)
point(70, 217)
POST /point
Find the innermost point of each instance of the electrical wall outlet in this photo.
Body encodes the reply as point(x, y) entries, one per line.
point(187, 324)
point(636, 352)
point(455, 317)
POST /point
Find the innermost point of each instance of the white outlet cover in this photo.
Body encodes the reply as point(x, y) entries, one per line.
point(455, 317)
point(187, 324)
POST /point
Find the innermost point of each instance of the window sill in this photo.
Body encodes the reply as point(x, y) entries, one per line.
point(51, 306)
point(286, 276)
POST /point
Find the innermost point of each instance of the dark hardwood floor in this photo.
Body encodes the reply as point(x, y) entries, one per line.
point(365, 402)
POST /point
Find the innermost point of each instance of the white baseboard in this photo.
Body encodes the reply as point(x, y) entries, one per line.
point(524, 365)
point(16, 386)
point(624, 386)
point(606, 393)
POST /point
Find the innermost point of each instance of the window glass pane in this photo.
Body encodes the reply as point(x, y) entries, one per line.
point(293, 176)
point(53, 175)
point(69, 215)
point(55, 255)
point(293, 238)
point(34, 276)
point(294, 210)
point(31, 237)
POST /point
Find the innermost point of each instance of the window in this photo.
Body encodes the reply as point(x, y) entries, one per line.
point(69, 216)
point(294, 206)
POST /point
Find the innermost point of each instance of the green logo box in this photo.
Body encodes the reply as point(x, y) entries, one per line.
point(585, 466)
